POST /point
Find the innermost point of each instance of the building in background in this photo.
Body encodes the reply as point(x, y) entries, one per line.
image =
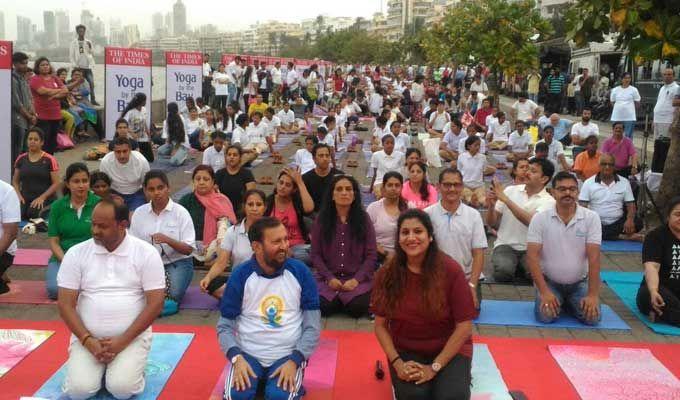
point(50, 29)
point(179, 12)
point(157, 25)
point(131, 34)
point(2, 25)
point(25, 32)
point(65, 32)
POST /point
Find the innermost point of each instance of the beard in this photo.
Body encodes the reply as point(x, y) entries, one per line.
point(275, 260)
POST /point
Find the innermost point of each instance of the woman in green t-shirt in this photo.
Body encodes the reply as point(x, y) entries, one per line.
point(70, 220)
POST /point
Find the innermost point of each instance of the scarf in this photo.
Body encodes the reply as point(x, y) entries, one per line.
point(216, 206)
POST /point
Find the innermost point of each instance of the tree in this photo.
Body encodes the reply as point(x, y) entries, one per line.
point(647, 30)
point(497, 32)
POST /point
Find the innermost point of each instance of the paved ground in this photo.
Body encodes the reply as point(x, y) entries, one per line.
point(180, 177)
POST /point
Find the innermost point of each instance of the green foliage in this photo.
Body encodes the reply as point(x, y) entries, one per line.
point(648, 29)
point(497, 32)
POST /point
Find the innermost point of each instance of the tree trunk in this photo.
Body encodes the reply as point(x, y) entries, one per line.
point(670, 182)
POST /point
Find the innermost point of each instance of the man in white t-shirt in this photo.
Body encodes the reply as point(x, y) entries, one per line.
point(438, 119)
point(375, 102)
point(214, 155)
point(479, 86)
point(383, 161)
point(207, 78)
point(287, 118)
point(292, 79)
point(510, 210)
point(277, 84)
point(556, 150)
point(581, 130)
point(499, 132)
point(563, 254)
point(665, 107)
point(126, 168)
point(10, 216)
point(111, 289)
point(303, 157)
point(273, 124)
point(459, 229)
point(525, 110)
point(453, 134)
point(234, 73)
point(519, 142)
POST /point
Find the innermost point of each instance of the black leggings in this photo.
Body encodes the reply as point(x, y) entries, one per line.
point(356, 308)
point(671, 311)
point(451, 383)
point(51, 129)
point(146, 150)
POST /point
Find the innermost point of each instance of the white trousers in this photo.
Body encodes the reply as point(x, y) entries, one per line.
point(124, 376)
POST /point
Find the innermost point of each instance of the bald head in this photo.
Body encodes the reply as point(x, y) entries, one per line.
point(554, 119)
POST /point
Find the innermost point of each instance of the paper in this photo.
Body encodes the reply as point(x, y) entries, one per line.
point(15, 344)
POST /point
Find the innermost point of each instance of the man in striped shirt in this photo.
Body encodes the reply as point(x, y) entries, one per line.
point(554, 86)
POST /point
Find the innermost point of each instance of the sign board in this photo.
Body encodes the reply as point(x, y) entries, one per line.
point(128, 72)
point(183, 75)
point(6, 111)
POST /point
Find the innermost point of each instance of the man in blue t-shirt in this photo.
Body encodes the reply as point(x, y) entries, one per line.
point(270, 323)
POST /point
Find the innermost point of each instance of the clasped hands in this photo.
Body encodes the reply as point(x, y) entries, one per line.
point(412, 371)
point(106, 349)
point(348, 286)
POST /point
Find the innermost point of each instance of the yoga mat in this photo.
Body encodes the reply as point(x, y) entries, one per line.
point(319, 375)
point(164, 165)
point(16, 344)
point(194, 299)
point(32, 257)
point(611, 373)
point(521, 313)
point(625, 285)
point(487, 382)
point(621, 246)
point(166, 352)
point(26, 292)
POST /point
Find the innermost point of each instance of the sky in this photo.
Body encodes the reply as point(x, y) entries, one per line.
point(226, 14)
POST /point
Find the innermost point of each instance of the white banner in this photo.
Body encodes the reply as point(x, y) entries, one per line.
point(6, 111)
point(183, 75)
point(128, 72)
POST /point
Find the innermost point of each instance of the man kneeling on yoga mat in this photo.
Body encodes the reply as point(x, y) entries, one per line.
point(271, 322)
point(111, 288)
point(563, 255)
point(659, 293)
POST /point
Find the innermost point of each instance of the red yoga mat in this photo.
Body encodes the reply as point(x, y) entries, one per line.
point(26, 292)
point(32, 257)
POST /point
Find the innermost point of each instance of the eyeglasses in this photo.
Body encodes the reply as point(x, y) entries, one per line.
point(565, 189)
point(606, 164)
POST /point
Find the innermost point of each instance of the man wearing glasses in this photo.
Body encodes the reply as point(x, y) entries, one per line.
point(563, 255)
point(611, 197)
point(664, 108)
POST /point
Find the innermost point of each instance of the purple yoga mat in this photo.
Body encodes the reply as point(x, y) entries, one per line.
point(32, 257)
point(194, 299)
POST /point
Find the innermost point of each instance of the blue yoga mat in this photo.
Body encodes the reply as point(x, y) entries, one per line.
point(621, 246)
point(521, 313)
point(487, 381)
point(166, 351)
point(625, 285)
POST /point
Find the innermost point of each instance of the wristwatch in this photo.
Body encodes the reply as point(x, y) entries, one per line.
point(472, 285)
point(436, 367)
point(235, 358)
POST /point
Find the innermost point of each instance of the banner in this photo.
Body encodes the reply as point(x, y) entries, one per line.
point(183, 75)
point(128, 72)
point(6, 111)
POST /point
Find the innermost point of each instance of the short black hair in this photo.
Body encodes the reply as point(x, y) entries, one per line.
point(671, 205)
point(322, 129)
point(121, 121)
point(119, 141)
point(449, 170)
point(156, 174)
point(256, 231)
point(318, 146)
point(79, 26)
point(542, 147)
point(18, 57)
point(547, 167)
point(329, 119)
point(219, 135)
point(314, 139)
point(562, 176)
point(121, 212)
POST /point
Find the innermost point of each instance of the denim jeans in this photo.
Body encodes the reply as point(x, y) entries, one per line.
point(87, 74)
point(178, 276)
point(51, 279)
point(176, 159)
point(628, 128)
point(569, 296)
point(134, 200)
point(301, 252)
point(232, 91)
point(271, 389)
point(533, 97)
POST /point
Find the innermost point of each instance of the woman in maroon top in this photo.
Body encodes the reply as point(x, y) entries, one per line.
point(423, 316)
point(47, 90)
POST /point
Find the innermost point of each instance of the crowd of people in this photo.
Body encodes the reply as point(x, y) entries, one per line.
point(413, 259)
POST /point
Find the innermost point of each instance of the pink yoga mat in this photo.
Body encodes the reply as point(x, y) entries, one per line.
point(26, 292)
point(613, 373)
point(319, 374)
point(32, 257)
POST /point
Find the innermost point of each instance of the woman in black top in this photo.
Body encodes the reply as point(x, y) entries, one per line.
point(36, 176)
point(234, 180)
point(659, 293)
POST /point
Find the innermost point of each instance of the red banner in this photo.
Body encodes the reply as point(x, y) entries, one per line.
point(5, 54)
point(126, 56)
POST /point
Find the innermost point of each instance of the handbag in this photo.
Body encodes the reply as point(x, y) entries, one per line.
point(64, 142)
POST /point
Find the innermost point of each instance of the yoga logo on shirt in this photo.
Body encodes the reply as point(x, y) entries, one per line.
point(271, 309)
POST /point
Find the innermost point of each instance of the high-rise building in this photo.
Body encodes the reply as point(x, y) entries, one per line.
point(179, 12)
point(65, 32)
point(403, 13)
point(50, 28)
point(157, 25)
point(132, 35)
point(86, 18)
point(2, 25)
point(168, 23)
point(24, 31)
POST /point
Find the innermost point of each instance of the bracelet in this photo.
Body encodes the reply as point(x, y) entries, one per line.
point(392, 361)
point(84, 339)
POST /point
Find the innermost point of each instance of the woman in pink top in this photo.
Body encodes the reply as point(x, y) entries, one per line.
point(623, 150)
point(47, 90)
point(417, 191)
point(290, 202)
